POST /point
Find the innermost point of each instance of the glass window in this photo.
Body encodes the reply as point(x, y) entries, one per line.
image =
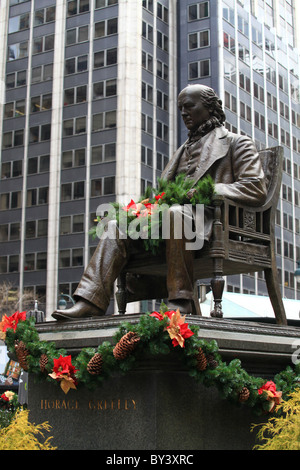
point(96, 188)
point(13, 264)
point(35, 104)
point(100, 29)
point(44, 163)
point(29, 262)
point(42, 228)
point(112, 26)
point(36, 74)
point(17, 168)
point(3, 233)
point(4, 201)
point(15, 231)
point(98, 90)
point(82, 63)
point(9, 110)
point(83, 34)
point(41, 261)
point(31, 197)
point(69, 96)
point(3, 264)
point(79, 157)
point(65, 225)
point(20, 108)
point(45, 132)
point(109, 185)
point(99, 59)
point(7, 140)
point(64, 259)
point(71, 36)
point(111, 56)
point(78, 223)
point(66, 192)
point(50, 14)
point(84, 5)
point(81, 94)
point(21, 78)
point(97, 154)
point(79, 190)
point(49, 42)
point(10, 80)
point(68, 127)
point(34, 134)
point(48, 72)
point(37, 45)
point(32, 165)
point(38, 17)
point(16, 200)
point(6, 170)
point(77, 257)
point(30, 229)
point(110, 152)
point(43, 195)
point(70, 66)
point(18, 137)
point(80, 125)
point(110, 119)
point(67, 159)
point(97, 122)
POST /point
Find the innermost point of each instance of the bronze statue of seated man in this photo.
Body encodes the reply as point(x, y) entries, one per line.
point(233, 163)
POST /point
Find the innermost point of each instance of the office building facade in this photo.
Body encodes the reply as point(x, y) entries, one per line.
point(88, 115)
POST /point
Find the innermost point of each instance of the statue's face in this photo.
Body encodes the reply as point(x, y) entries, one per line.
point(192, 110)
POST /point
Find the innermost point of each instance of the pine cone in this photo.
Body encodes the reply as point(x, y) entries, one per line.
point(211, 361)
point(244, 394)
point(201, 360)
point(22, 353)
point(126, 345)
point(43, 362)
point(94, 366)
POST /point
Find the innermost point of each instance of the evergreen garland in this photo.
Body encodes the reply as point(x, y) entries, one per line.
point(167, 194)
point(230, 379)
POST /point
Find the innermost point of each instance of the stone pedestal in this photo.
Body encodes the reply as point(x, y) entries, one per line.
point(157, 406)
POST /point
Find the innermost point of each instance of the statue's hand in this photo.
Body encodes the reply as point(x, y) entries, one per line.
point(191, 193)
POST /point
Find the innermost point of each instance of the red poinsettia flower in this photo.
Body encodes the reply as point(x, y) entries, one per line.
point(178, 329)
point(157, 315)
point(12, 321)
point(271, 386)
point(64, 371)
point(273, 396)
point(131, 205)
point(159, 196)
point(161, 316)
point(4, 397)
point(63, 365)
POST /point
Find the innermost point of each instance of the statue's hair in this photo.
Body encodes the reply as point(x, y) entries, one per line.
point(211, 101)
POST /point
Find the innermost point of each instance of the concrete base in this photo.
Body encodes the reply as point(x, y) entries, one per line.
point(157, 406)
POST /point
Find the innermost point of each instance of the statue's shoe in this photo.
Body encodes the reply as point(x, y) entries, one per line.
point(82, 309)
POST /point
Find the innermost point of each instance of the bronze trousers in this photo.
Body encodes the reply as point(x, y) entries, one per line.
point(112, 254)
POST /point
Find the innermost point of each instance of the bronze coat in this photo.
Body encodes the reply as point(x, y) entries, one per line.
point(232, 161)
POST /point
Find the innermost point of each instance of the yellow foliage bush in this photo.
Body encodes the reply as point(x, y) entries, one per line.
point(282, 432)
point(22, 435)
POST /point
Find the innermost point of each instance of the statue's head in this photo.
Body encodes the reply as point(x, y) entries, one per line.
point(198, 104)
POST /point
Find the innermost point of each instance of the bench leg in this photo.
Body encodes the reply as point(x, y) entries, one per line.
point(217, 285)
point(275, 295)
point(121, 296)
point(195, 302)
